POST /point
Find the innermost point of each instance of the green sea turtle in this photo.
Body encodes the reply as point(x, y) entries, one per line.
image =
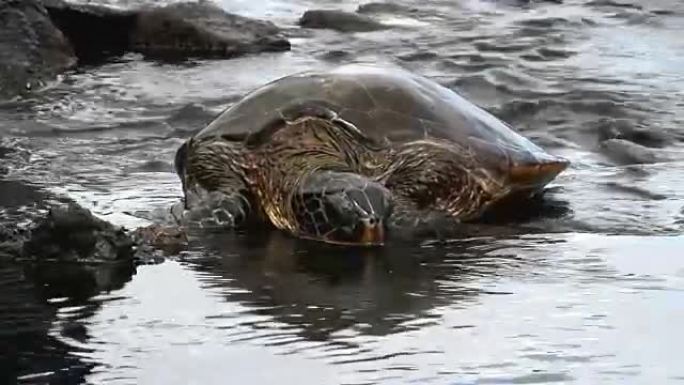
point(343, 155)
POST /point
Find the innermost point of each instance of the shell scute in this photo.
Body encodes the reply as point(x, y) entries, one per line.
point(389, 105)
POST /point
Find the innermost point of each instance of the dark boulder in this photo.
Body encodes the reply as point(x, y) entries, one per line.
point(40, 39)
point(32, 50)
point(95, 31)
point(340, 21)
point(384, 7)
point(179, 30)
point(72, 233)
point(202, 29)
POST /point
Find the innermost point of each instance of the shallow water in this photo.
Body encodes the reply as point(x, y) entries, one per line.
point(588, 290)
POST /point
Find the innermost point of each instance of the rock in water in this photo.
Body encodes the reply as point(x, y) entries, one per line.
point(340, 21)
point(32, 50)
point(72, 233)
point(625, 152)
point(384, 7)
point(202, 29)
point(40, 39)
point(95, 31)
point(628, 130)
point(178, 30)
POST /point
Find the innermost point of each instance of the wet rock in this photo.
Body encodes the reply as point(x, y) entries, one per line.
point(10, 243)
point(526, 2)
point(624, 129)
point(418, 56)
point(177, 30)
point(517, 111)
point(190, 118)
point(553, 53)
point(336, 56)
point(40, 39)
point(636, 191)
point(72, 233)
point(384, 7)
point(168, 239)
point(15, 194)
point(663, 12)
point(612, 3)
point(625, 152)
point(202, 29)
point(82, 22)
point(32, 50)
point(340, 21)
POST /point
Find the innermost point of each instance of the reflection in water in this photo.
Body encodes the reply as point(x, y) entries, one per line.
point(323, 289)
point(41, 322)
point(530, 309)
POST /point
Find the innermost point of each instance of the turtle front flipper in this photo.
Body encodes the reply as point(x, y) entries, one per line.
point(215, 192)
point(341, 208)
point(213, 209)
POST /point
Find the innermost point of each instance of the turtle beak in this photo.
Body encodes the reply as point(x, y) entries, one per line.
point(366, 232)
point(538, 174)
point(370, 232)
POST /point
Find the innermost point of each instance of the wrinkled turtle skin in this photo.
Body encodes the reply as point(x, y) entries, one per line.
point(345, 155)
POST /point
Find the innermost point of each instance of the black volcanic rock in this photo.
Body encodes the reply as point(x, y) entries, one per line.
point(72, 233)
point(384, 7)
point(340, 21)
point(95, 31)
point(178, 30)
point(32, 50)
point(40, 39)
point(202, 29)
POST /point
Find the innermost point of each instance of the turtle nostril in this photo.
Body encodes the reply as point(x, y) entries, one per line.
point(372, 221)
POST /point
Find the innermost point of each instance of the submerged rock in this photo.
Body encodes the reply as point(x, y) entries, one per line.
point(340, 21)
point(611, 3)
point(625, 129)
point(625, 152)
point(335, 56)
point(190, 119)
point(32, 50)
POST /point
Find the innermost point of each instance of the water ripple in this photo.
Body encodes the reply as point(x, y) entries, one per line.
point(582, 290)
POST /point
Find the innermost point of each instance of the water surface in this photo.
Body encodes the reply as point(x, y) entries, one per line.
point(587, 290)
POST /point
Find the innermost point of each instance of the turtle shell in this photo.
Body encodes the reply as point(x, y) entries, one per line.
point(390, 105)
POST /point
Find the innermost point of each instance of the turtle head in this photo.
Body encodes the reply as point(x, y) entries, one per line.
point(341, 208)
